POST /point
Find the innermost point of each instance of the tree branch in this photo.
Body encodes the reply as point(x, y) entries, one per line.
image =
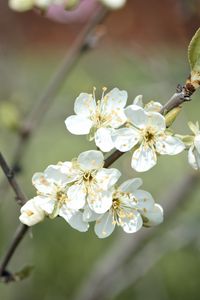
point(22, 229)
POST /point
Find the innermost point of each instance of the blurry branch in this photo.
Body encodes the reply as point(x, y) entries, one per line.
point(150, 255)
point(85, 40)
point(97, 284)
point(22, 229)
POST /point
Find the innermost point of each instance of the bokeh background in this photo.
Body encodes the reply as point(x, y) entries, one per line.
point(143, 49)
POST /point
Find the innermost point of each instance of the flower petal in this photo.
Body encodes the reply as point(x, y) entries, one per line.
point(154, 216)
point(153, 106)
point(138, 101)
point(115, 99)
point(71, 173)
point(74, 218)
point(137, 116)
point(90, 160)
point(76, 196)
point(197, 142)
point(194, 158)
point(157, 121)
point(125, 139)
point(31, 213)
point(170, 145)
point(143, 159)
point(53, 174)
point(103, 139)
point(130, 185)
point(132, 224)
point(42, 184)
point(106, 178)
point(100, 202)
point(145, 201)
point(104, 226)
point(78, 125)
point(89, 215)
point(85, 105)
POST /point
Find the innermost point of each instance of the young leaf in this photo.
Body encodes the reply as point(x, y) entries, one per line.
point(194, 52)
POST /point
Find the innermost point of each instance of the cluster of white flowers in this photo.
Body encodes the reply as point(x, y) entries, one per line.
point(142, 128)
point(83, 191)
point(24, 5)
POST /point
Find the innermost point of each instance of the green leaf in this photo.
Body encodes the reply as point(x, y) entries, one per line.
point(194, 52)
point(23, 273)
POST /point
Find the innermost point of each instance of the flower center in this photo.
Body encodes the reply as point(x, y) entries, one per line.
point(149, 135)
point(61, 196)
point(87, 177)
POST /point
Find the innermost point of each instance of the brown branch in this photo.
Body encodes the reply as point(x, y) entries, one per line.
point(20, 196)
point(97, 285)
point(81, 44)
point(22, 229)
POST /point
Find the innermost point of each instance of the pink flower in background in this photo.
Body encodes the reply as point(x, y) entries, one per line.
point(79, 14)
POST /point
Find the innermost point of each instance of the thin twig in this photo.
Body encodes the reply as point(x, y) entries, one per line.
point(20, 196)
point(80, 45)
point(96, 286)
point(21, 199)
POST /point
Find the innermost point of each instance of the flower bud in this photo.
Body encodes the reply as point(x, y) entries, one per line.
point(170, 117)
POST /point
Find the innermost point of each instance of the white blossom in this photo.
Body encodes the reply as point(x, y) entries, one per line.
point(194, 150)
point(24, 5)
point(31, 213)
point(129, 207)
point(90, 183)
point(98, 118)
point(52, 187)
point(147, 135)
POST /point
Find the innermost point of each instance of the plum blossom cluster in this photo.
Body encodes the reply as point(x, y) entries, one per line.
point(136, 128)
point(82, 191)
point(24, 5)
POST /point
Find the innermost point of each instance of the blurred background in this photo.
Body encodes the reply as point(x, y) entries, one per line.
point(142, 49)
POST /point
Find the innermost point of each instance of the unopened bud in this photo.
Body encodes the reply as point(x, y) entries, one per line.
point(170, 117)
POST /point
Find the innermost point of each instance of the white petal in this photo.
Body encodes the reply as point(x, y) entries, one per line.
point(85, 105)
point(42, 184)
point(197, 142)
point(103, 139)
point(125, 139)
point(138, 101)
point(47, 204)
point(157, 121)
point(143, 159)
point(31, 213)
point(104, 226)
point(106, 178)
point(71, 173)
point(78, 125)
point(145, 201)
point(169, 145)
point(116, 118)
point(74, 218)
point(132, 224)
point(115, 99)
point(89, 215)
point(130, 185)
point(137, 116)
point(76, 196)
point(90, 160)
point(155, 216)
point(191, 158)
point(100, 202)
point(153, 106)
point(53, 174)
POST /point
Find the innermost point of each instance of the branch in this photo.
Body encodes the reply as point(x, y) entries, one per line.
point(81, 44)
point(20, 196)
point(22, 229)
point(96, 286)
